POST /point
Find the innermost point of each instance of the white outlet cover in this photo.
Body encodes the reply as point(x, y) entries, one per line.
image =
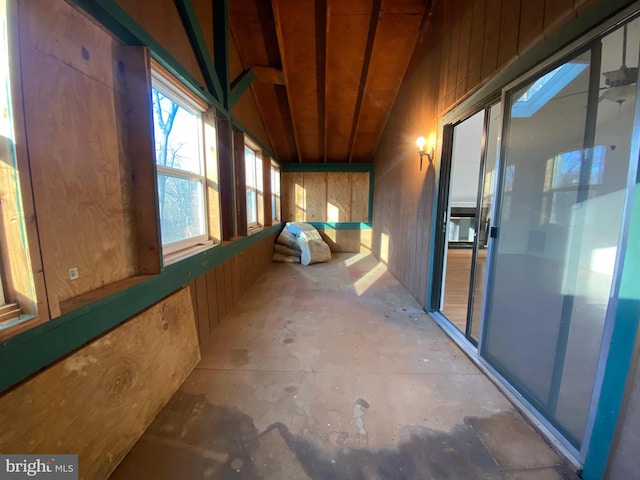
point(73, 273)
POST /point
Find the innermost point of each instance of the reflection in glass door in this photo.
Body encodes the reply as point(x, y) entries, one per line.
point(566, 159)
point(468, 180)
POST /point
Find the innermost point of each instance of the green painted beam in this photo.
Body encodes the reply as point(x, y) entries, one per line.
point(240, 85)
point(119, 22)
point(199, 45)
point(327, 167)
point(29, 352)
point(221, 46)
point(341, 225)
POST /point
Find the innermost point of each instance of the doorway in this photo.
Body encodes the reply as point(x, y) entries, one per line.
point(467, 184)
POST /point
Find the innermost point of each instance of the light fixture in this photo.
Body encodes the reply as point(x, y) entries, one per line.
point(421, 142)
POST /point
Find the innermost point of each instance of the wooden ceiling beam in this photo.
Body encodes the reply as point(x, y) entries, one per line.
point(270, 75)
point(275, 4)
point(326, 69)
point(364, 79)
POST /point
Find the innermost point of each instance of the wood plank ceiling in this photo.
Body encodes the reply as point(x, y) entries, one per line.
point(327, 71)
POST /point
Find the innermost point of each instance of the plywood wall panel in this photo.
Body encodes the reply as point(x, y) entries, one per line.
point(161, 20)
point(116, 385)
point(84, 204)
point(315, 186)
point(360, 197)
point(338, 197)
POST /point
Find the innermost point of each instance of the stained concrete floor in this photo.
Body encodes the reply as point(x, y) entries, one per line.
point(333, 371)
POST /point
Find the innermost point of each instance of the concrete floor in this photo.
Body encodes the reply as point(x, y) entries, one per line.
point(333, 371)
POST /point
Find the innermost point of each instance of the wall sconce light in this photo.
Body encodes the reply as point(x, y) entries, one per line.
point(421, 142)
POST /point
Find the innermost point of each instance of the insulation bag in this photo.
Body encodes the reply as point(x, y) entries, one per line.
point(288, 239)
point(313, 248)
point(282, 258)
point(286, 250)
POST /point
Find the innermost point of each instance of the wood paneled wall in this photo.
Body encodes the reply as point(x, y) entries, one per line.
point(325, 196)
point(98, 401)
point(464, 44)
point(216, 292)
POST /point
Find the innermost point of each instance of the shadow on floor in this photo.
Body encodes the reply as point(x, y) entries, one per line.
point(191, 438)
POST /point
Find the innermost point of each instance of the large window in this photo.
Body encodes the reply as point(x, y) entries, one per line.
point(253, 171)
point(178, 133)
point(275, 193)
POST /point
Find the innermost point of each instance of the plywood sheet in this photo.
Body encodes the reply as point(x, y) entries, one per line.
point(360, 197)
point(62, 32)
point(83, 206)
point(338, 197)
point(315, 187)
point(293, 197)
point(98, 401)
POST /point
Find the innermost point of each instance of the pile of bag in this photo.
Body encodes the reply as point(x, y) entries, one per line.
point(300, 243)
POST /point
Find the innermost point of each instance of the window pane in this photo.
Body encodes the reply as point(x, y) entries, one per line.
point(251, 207)
point(250, 167)
point(181, 202)
point(176, 134)
point(259, 174)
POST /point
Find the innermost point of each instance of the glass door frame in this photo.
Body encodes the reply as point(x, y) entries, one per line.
point(442, 214)
point(583, 44)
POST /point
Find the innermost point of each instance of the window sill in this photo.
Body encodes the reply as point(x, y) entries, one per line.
point(19, 324)
point(174, 257)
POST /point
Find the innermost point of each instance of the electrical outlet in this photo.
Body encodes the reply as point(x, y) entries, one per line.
point(73, 273)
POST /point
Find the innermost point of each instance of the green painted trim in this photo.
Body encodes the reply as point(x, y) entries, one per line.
point(240, 85)
point(327, 167)
point(370, 210)
point(35, 349)
point(199, 45)
point(620, 355)
point(122, 25)
point(238, 126)
point(221, 47)
point(573, 30)
point(341, 225)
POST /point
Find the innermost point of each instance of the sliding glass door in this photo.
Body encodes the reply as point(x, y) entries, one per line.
point(565, 162)
point(466, 211)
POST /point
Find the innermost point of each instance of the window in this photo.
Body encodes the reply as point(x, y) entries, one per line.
point(179, 149)
point(253, 172)
point(275, 193)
